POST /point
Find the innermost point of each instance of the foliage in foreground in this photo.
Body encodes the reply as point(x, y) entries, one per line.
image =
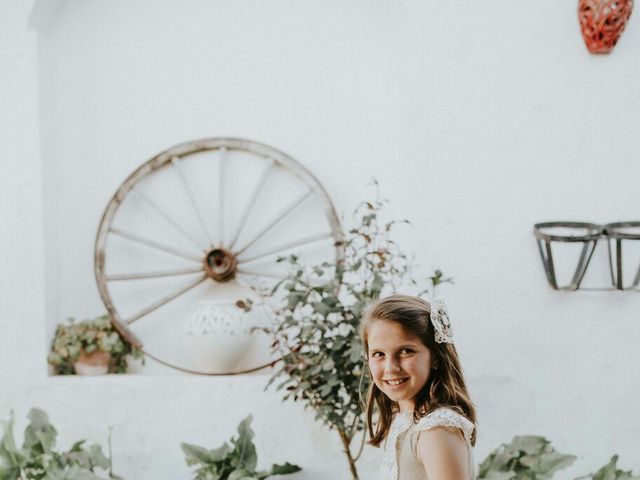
point(530, 457)
point(526, 457)
point(611, 472)
point(37, 458)
point(232, 462)
point(72, 338)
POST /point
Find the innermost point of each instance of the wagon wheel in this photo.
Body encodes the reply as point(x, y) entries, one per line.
point(206, 220)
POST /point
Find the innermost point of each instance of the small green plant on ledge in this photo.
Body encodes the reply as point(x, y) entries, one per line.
point(74, 341)
point(530, 457)
point(37, 459)
point(232, 462)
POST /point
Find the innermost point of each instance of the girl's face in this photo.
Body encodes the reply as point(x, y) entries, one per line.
point(399, 362)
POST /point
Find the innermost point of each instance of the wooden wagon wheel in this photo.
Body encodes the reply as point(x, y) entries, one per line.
point(205, 220)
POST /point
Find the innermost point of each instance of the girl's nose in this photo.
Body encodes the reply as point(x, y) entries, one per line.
point(391, 365)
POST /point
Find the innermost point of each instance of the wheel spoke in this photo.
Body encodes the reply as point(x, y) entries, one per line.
point(223, 157)
point(165, 300)
point(287, 246)
point(175, 162)
point(254, 196)
point(168, 219)
point(154, 244)
point(277, 219)
point(242, 271)
point(146, 275)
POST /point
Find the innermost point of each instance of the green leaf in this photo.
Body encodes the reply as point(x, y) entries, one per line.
point(196, 454)
point(285, 469)
point(552, 462)
point(494, 475)
point(74, 472)
point(39, 431)
point(239, 474)
point(529, 444)
point(98, 458)
point(244, 444)
point(10, 457)
point(611, 472)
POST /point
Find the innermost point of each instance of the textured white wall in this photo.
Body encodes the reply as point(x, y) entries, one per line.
point(478, 119)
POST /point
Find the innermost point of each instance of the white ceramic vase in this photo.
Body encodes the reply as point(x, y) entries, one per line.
point(218, 336)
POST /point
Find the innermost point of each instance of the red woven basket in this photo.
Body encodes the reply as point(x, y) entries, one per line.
point(602, 22)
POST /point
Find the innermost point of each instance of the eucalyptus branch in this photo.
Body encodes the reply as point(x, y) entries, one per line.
point(361, 449)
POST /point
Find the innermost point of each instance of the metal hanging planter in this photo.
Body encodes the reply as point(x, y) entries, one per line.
point(602, 22)
point(566, 232)
point(618, 234)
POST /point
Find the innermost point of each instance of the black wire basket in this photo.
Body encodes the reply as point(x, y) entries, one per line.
point(550, 233)
point(621, 234)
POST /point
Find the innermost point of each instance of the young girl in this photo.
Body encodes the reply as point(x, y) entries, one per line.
point(426, 421)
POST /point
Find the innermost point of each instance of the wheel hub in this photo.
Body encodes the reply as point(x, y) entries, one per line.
point(220, 265)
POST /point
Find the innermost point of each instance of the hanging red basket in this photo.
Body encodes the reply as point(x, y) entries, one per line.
point(602, 22)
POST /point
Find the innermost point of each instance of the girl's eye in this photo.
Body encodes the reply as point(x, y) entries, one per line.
point(376, 355)
point(406, 351)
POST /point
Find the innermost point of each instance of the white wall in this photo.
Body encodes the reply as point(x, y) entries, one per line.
point(478, 119)
point(21, 248)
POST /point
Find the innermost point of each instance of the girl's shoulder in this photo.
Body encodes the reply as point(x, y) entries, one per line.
point(445, 417)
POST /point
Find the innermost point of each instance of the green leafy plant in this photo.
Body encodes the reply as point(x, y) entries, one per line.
point(611, 472)
point(232, 462)
point(37, 458)
point(323, 359)
point(526, 457)
point(530, 457)
point(72, 338)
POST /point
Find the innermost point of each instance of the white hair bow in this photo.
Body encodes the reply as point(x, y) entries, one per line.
point(441, 322)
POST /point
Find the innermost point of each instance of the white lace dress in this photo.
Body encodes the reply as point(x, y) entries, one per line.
point(400, 462)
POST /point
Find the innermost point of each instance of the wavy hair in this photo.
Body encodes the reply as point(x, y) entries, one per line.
point(445, 386)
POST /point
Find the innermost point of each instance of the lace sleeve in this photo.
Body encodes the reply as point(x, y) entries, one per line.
point(442, 417)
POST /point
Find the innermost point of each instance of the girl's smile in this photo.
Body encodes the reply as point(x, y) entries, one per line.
point(399, 362)
point(395, 385)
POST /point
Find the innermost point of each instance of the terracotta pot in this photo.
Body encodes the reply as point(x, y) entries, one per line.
point(94, 363)
point(602, 22)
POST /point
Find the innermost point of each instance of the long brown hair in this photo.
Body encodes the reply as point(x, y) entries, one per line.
point(444, 388)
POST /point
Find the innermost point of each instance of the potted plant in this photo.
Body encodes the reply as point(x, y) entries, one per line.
point(232, 462)
point(90, 347)
point(38, 459)
point(323, 362)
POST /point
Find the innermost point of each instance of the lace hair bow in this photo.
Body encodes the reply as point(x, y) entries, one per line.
point(441, 322)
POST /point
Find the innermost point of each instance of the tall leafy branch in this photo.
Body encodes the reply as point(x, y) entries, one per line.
point(323, 362)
